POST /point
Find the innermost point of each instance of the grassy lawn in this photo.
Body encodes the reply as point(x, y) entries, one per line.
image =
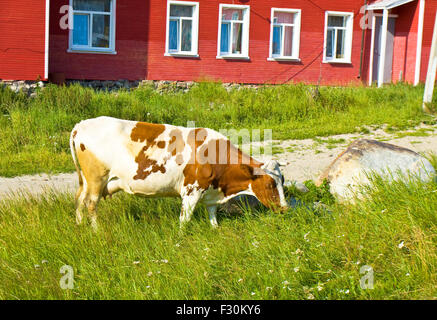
point(34, 133)
point(138, 252)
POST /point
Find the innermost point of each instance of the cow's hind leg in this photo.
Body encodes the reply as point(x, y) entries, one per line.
point(80, 203)
point(96, 177)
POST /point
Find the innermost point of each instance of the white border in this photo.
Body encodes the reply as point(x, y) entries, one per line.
point(245, 39)
point(195, 32)
point(46, 52)
point(296, 39)
point(419, 42)
point(110, 50)
point(348, 39)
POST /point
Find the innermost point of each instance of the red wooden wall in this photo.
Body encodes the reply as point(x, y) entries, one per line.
point(140, 46)
point(258, 69)
point(130, 62)
point(22, 39)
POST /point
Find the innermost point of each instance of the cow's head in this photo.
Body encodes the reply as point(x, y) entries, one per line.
point(268, 186)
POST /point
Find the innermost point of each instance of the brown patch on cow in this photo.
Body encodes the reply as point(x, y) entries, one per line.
point(146, 166)
point(148, 132)
point(74, 134)
point(82, 147)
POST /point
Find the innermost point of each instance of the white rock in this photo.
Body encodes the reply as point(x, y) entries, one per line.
point(364, 157)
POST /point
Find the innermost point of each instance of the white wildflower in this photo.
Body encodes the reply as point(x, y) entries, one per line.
point(296, 269)
point(401, 245)
point(310, 297)
point(136, 262)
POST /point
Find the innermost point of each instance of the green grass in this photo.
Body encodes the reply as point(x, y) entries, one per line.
point(138, 252)
point(34, 132)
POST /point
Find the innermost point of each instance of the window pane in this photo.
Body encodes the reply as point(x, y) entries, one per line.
point(80, 29)
point(101, 27)
point(329, 43)
point(181, 11)
point(224, 38)
point(336, 21)
point(232, 14)
point(92, 5)
point(340, 44)
point(173, 35)
point(236, 40)
point(284, 17)
point(288, 41)
point(276, 45)
point(186, 35)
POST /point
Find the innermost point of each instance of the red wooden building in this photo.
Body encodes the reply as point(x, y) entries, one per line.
point(245, 41)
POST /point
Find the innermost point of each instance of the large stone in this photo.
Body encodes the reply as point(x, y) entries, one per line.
point(365, 158)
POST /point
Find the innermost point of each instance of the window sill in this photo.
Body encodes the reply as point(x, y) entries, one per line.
point(181, 55)
point(283, 59)
point(233, 57)
point(338, 61)
point(91, 51)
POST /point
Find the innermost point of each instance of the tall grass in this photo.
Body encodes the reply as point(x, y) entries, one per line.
point(138, 252)
point(34, 131)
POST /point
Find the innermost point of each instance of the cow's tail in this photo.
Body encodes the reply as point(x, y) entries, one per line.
point(73, 154)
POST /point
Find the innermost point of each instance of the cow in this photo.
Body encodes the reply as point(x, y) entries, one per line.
point(161, 160)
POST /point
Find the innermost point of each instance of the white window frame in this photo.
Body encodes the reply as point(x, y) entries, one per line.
point(245, 32)
point(296, 35)
point(194, 32)
point(90, 49)
point(348, 37)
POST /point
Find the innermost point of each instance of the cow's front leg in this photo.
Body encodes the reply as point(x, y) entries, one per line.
point(189, 203)
point(212, 215)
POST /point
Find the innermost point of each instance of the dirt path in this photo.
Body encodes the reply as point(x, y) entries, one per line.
point(301, 159)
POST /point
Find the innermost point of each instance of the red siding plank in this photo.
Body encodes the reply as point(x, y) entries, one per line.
point(22, 39)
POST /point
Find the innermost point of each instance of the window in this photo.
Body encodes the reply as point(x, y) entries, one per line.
point(182, 28)
point(93, 25)
point(233, 36)
point(338, 37)
point(285, 34)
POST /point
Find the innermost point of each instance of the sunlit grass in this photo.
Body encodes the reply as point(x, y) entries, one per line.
point(139, 253)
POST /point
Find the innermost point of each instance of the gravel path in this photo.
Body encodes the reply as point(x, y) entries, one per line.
point(301, 160)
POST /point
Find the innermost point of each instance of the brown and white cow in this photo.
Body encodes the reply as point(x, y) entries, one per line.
point(155, 160)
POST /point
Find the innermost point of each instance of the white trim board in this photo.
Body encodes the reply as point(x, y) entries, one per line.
point(46, 50)
point(387, 4)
